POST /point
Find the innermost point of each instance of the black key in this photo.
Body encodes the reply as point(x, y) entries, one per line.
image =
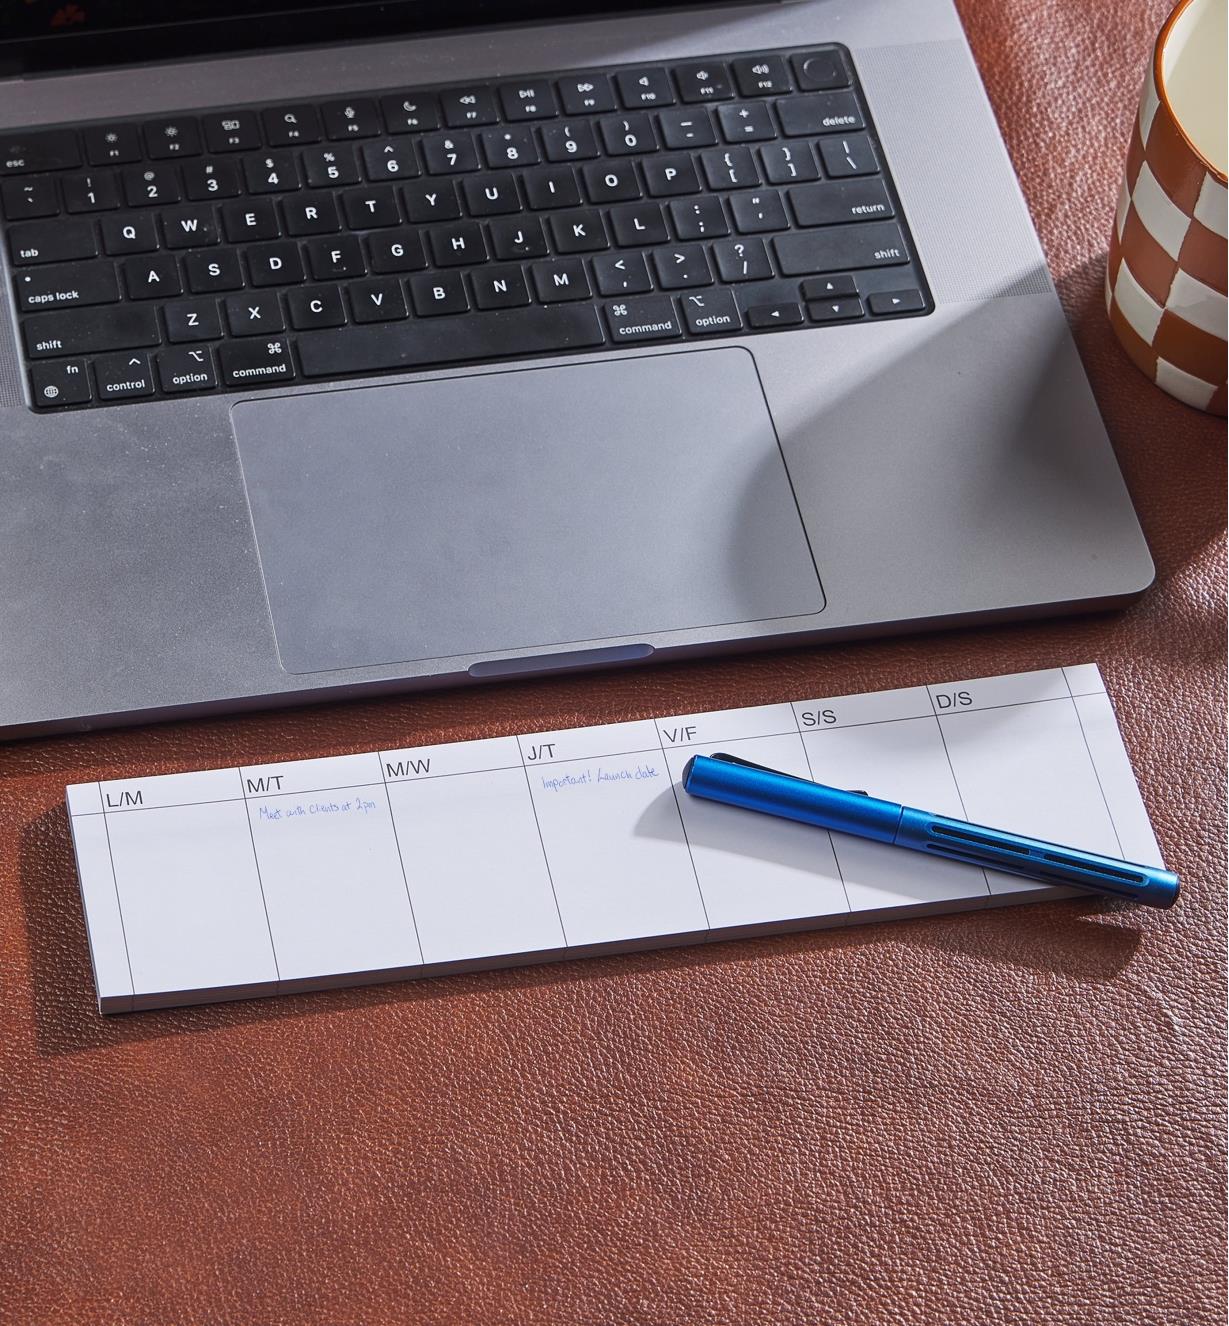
point(522, 238)
point(24, 199)
point(647, 319)
point(500, 287)
point(560, 280)
point(532, 99)
point(356, 118)
point(65, 382)
point(624, 274)
point(730, 168)
point(253, 315)
point(774, 315)
point(186, 370)
point(468, 107)
point(234, 131)
point(112, 144)
point(250, 219)
point(643, 88)
point(611, 181)
point(411, 112)
point(119, 377)
point(820, 70)
point(639, 224)
point(369, 209)
point(433, 200)
point(316, 306)
point(96, 192)
point(378, 301)
point(30, 152)
point(315, 214)
point(253, 363)
point(527, 331)
point(287, 126)
point(204, 180)
point(275, 264)
point(189, 227)
point(87, 330)
point(551, 187)
point(176, 137)
point(66, 286)
point(332, 259)
point(788, 163)
point(59, 241)
point(703, 218)
point(570, 140)
point(509, 147)
point(438, 293)
point(682, 266)
point(836, 310)
point(389, 161)
point(687, 128)
point(897, 301)
point(396, 251)
point(832, 202)
point(711, 313)
point(457, 245)
point(579, 232)
point(669, 177)
point(586, 94)
point(129, 234)
point(491, 195)
point(758, 211)
point(829, 287)
point(211, 272)
point(271, 172)
point(761, 75)
point(150, 186)
point(152, 278)
point(624, 135)
point(742, 260)
point(751, 123)
point(192, 320)
point(709, 81)
point(824, 113)
point(841, 248)
point(327, 166)
point(851, 154)
point(449, 154)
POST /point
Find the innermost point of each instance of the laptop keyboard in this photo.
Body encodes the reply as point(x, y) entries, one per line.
point(285, 243)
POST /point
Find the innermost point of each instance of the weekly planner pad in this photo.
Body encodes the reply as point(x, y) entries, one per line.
point(427, 860)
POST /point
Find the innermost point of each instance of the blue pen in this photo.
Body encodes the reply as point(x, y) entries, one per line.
point(738, 782)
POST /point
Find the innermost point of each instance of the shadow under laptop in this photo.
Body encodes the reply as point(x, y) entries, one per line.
point(1072, 939)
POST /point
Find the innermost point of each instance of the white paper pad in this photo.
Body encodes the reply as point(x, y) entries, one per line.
point(377, 867)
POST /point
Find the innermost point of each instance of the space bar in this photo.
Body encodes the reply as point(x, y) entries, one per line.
point(506, 334)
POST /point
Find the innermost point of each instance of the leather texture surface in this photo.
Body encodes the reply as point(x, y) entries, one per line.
point(1008, 1117)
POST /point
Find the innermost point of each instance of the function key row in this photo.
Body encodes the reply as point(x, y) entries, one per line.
point(247, 130)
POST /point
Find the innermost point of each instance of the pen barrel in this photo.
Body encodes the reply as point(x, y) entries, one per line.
point(792, 798)
point(996, 849)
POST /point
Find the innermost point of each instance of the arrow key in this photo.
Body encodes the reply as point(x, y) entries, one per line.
point(835, 310)
point(119, 377)
point(774, 315)
point(897, 301)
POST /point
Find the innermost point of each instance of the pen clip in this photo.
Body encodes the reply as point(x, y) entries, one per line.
point(726, 758)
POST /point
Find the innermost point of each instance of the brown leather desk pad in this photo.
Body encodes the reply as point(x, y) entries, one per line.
point(1002, 1117)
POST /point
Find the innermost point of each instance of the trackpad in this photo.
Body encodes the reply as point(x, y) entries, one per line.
point(507, 511)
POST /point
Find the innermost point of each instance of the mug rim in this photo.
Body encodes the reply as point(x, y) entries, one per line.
point(1158, 79)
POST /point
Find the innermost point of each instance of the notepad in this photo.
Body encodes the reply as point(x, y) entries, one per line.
point(352, 869)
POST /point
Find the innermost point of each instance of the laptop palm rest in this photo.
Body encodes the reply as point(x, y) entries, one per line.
point(522, 510)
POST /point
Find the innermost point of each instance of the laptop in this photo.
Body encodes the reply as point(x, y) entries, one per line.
point(357, 348)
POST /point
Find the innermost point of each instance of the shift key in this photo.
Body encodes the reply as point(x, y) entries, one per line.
point(67, 285)
point(841, 248)
point(87, 330)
